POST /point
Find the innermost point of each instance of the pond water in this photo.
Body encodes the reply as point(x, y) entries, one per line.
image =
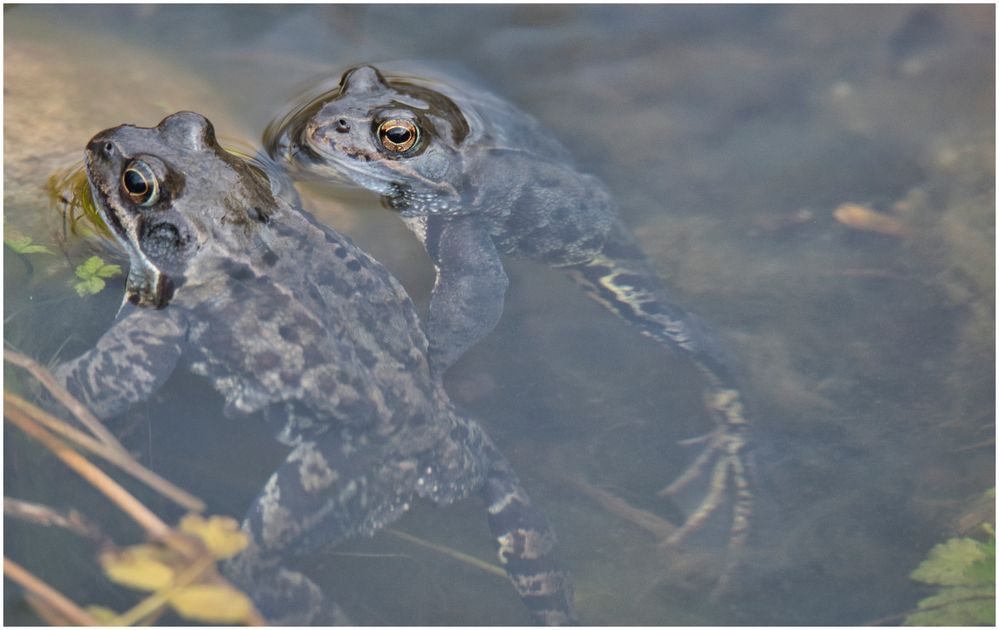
point(817, 182)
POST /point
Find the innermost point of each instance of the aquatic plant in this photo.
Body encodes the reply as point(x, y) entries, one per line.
point(964, 569)
point(177, 565)
point(23, 244)
point(92, 273)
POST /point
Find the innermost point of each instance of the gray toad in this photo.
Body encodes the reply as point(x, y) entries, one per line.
point(474, 178)
point(287, 317)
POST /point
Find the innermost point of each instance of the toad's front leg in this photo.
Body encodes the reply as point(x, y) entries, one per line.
point(467, 299)
point(128, 363)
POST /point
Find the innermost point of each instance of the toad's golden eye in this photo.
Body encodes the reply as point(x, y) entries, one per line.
point(398, 135)
point(139, 183)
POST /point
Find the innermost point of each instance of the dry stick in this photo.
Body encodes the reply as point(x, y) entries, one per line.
point(155, 528)
point(46, 593)
point(658, 527)
point(48, 615)
point(48, 516)
point(142, 515)
point(76, 407)
point(447, 551)
point(125, 462)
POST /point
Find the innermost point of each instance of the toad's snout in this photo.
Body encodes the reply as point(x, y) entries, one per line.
point(322, 131)
point(100, 148)
point(318, 133)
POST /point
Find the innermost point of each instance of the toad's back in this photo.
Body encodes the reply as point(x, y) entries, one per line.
point(304, 318)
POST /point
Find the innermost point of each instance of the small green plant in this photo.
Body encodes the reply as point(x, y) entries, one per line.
point(92, 273)
point(24, 245)
point(965, 571)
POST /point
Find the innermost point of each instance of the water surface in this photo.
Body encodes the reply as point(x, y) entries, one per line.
point(730, 137)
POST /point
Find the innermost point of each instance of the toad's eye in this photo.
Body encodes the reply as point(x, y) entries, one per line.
point(398, 135)
point(139, 183)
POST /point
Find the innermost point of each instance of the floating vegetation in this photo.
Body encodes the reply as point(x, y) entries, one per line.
point(92, 273)
point(70, 191)
point(23, 244)
point(965, 571)
point(176, 565)
point(175, 581)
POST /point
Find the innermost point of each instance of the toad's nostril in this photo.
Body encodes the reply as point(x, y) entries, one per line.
point(108, 148)
point(342, 126)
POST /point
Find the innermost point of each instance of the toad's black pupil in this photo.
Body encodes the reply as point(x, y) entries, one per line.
point(398, 135)
point(135, 183)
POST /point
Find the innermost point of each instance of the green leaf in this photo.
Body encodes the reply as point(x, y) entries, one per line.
point(90, 273)
point(983, 571)
point(23, 245)
point(956, 606)
point(109, 271)
point(89, 267)
point(89, 286)
point(947, 563)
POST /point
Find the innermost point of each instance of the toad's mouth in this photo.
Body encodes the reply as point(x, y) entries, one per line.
point(338, 166)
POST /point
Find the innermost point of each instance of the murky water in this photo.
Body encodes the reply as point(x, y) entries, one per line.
point(730, 136)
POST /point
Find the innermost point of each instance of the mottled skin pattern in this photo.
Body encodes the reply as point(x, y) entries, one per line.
point(482, 180)
point(287, 317)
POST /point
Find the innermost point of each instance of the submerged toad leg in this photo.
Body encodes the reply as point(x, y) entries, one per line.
point(621, 279)
point(130, 361)
point(524, 538)
point(525, 545)
point(326, 491)
point(467, 299)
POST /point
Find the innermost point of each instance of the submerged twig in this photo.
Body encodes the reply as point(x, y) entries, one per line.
point(49, 516)
point(447, 551)
point(59, 602)
point(142, 515)
point(655, 525)
point(123, 461)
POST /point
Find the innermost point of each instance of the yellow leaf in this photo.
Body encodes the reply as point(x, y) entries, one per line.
point(212, 603)
point(102, 614)
point(143, 567)
point(220, 534)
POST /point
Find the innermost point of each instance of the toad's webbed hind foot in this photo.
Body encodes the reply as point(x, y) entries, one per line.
point(621, 279)
point(724, 454)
